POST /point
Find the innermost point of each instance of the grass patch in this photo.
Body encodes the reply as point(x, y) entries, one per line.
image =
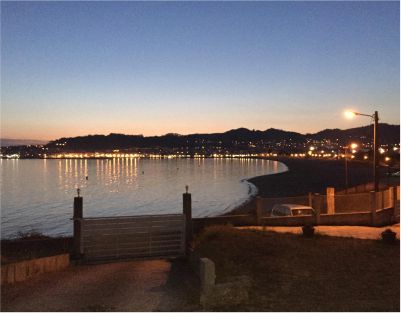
point(32, 245)
point(294, 273)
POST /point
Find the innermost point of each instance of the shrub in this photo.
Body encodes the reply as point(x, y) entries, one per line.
point(308, 231)
point(389, 236)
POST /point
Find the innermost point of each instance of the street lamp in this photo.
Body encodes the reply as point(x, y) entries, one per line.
point(375, 118)
point(352, 146)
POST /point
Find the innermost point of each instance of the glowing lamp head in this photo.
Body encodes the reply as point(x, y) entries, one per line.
point(349, 114)
point(311, 148)
point(354, 145)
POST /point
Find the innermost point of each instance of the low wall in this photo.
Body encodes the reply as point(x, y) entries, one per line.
point(385, 217)
point(347, 219)
point(20, 271)
point(235, 220)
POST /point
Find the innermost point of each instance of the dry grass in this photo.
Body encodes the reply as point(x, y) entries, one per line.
point(293, 273)
point(33, 245)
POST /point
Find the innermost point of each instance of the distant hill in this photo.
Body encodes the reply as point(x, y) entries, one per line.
point(6, 142)
point(388, 134)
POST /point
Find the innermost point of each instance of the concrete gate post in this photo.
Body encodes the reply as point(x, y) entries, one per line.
point(330, 191)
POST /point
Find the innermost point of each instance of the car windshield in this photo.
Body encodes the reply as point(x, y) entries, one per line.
point(297, 212)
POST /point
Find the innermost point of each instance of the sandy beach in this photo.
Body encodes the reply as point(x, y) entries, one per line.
point(306, 175)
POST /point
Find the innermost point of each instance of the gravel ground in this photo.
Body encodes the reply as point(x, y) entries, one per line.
point(156, 285)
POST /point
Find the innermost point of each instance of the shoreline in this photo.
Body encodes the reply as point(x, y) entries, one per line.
point(309, 175)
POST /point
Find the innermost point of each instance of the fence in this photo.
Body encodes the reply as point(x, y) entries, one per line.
point(170, 235)
point(332, 202)
point(367, 209)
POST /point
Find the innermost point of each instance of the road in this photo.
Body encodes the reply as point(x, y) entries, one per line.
point(157, 285)
point(360, 232)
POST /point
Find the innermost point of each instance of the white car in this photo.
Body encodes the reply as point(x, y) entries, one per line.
point(292, 210)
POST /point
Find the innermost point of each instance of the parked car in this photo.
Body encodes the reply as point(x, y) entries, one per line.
point(292, 210)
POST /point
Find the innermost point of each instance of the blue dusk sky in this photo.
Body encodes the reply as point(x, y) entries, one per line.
point(78, 68)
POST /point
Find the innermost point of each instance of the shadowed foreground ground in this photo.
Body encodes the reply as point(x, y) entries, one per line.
point(157, 285)
point(293, 273)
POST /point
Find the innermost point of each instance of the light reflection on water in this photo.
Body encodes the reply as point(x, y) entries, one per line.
point(38, 194)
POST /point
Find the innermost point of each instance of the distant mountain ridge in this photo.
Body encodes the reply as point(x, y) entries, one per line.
point(21, 142)
point(388, 134)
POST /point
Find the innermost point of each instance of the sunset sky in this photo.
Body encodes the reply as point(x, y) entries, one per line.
point(79, 68)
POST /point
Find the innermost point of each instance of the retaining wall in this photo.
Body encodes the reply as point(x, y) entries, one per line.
point(20, 271)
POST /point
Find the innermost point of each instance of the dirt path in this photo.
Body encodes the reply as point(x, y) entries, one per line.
point(360, 232)
point(157, 285)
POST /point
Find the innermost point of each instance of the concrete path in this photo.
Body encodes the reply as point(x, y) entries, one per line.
point(127, 286)
point(360, 232)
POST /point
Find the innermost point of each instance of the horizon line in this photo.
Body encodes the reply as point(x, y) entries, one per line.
point(118, 133)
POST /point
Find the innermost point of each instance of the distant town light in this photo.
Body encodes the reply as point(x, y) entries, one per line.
point(365, 157)
point(381, 150)
point(311, 148)
point(387, 159)
point(354, 145)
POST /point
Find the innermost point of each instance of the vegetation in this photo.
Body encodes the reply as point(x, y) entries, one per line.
point(295, 273)
point(236, 138)
point(31, 245)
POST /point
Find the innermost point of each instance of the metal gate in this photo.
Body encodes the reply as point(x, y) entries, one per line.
point(130, 237)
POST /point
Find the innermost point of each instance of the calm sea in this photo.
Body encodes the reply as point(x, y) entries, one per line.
point(37, 195)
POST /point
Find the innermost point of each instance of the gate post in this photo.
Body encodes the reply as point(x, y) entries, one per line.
point(187, 210)
point(330, 200)
point(77, 217)
point(373, 204)
point(391, 198)
point(316, 205)
point(392, 201)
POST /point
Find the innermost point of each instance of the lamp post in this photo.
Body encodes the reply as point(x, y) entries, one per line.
point(375, 118)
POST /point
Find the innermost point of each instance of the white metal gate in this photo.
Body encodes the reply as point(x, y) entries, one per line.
point(130, 237)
